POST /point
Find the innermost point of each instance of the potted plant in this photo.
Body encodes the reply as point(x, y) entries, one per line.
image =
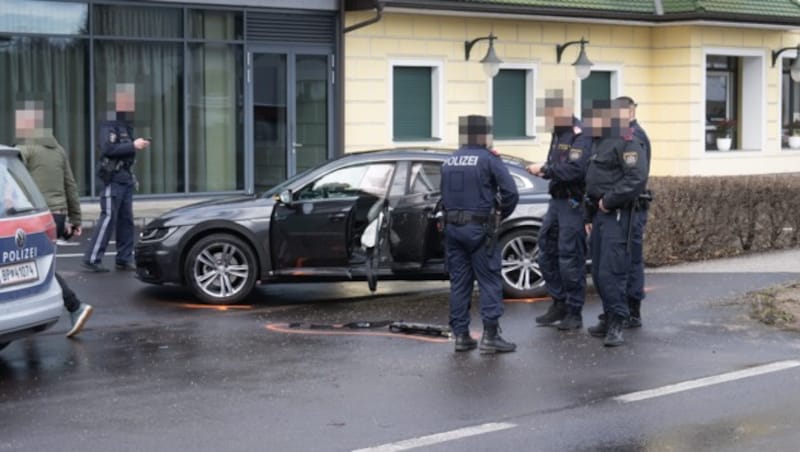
point(725, 130)
point(794, 134)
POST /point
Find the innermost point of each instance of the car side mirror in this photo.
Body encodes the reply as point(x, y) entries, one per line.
point(285, 197)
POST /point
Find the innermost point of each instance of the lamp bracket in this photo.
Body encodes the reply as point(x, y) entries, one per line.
point(468, 44)
point(776, 53)
point(561, 47)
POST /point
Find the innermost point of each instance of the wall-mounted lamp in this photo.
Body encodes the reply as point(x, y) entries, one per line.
point(582, 65)
point(794, 69)
point(491, 64)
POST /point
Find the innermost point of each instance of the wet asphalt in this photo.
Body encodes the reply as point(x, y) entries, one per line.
point(155, 370)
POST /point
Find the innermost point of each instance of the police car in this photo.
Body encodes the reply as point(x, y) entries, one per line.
point(30, 297)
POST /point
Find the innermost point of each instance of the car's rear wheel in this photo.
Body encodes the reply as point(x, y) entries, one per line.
point(220, 269)
point(521, 275)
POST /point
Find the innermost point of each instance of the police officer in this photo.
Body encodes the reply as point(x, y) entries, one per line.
point(617, 174)
point(562, 238)
point(119, 149)
point(477, 192)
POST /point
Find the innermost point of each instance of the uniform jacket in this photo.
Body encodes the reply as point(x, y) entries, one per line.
point(567, 160)
point(618, 171)
point(473, 177)
point(116, 138)
point(48, 164)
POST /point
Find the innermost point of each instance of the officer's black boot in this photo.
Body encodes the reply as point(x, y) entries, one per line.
point(635, 320)
point(465, 342)
point(601, 328)
point(572, 321)
point(557, 311)
point(614, 334)
point(491, 342)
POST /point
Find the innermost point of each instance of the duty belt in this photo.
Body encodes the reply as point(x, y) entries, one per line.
point(462, 217)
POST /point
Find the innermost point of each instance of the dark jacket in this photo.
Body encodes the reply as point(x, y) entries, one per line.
point(618, 171)
point(473, 178)
point(116, 144)
point(567, 161)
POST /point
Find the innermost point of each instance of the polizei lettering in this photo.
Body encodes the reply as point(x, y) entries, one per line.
point(22, 254)
point(462, 160)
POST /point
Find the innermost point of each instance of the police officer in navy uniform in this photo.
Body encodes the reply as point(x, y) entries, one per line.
point(477, 192)
point(617, 175)
point(118, 150)
point(562, 238)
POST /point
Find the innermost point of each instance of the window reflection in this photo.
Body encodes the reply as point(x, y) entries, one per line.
point(34, 16)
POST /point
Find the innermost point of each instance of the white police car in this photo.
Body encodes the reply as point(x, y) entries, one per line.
point(30, 297)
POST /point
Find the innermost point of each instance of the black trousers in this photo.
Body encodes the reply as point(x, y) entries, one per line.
point(71, 301)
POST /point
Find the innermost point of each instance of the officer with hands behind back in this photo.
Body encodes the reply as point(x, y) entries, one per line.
point(562, 239)
point(477, 192)
point(119, 148)
point(617, 175)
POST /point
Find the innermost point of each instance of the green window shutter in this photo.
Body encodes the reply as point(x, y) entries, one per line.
point(597, 86)
point(508, 103)
point(412, 103)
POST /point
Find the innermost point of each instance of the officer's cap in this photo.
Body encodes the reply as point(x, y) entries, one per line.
point(475, 130)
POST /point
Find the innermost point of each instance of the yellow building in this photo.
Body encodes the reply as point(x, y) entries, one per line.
point(688, 63)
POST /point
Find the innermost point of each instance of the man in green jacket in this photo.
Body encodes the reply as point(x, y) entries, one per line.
point(49, 166)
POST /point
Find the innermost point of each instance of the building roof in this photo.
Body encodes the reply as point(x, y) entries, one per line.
point(777, 12)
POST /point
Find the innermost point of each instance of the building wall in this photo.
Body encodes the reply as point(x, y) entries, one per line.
point(662, 67)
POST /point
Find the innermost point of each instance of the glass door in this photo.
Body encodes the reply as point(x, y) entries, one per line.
point(290, 110)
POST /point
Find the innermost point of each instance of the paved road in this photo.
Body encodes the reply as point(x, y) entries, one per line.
point(156, 371)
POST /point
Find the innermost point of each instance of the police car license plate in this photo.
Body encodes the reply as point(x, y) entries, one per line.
point(18, 273)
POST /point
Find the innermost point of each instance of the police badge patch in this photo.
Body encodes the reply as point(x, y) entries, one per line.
point(575, 154)
point(630, 158)
point(112, 137)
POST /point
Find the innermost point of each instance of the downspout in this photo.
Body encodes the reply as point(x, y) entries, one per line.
point(659, 7)
point(377, 18)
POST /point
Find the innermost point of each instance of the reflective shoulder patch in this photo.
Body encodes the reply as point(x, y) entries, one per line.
point(630, 158)
point(575, 154)
point(112, 137)
point(563, 147)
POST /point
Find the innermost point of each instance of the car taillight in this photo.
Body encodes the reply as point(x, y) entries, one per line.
point(51, 230)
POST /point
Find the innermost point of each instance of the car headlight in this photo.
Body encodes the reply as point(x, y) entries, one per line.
point(153, 234)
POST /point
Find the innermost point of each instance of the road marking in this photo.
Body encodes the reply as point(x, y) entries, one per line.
point(440, 437)
point(707, 381)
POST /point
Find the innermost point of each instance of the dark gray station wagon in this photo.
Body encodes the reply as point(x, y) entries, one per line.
point(314, 226)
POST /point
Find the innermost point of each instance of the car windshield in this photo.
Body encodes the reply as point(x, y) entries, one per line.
point(283, 185)
point(18, 192)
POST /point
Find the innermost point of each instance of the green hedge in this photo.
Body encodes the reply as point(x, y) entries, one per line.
point(697, 218)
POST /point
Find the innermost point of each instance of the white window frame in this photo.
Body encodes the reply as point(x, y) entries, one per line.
point(786, 55)
point(752, 66)
point(437, 98)
point(531, 75)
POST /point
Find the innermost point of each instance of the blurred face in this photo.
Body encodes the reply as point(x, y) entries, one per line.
point(607, 119)
point(556, 109)
point(29, 119)
point(125, 97)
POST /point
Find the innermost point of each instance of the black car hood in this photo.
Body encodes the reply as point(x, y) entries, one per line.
point(231, 209)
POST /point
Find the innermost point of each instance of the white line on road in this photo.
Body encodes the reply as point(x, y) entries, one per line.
point(440, 437)
point(707, 381)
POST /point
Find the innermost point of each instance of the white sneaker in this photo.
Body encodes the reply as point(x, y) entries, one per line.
point(79, 318)
point(62, 242)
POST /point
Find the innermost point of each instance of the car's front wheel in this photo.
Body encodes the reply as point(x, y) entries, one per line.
point(521, 275)
point(220, 269)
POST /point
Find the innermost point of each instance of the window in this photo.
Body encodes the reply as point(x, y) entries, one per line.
point(597, 86)
point(425, 178)
point(34, 16)
point(350, 182)
point(735, 91)
point(415, 102)
point(721, 78)
point(790, 104)
point(512, 103)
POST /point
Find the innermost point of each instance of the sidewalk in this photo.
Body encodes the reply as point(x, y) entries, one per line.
point(143, 210)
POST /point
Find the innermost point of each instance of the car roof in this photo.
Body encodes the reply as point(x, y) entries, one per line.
point(412, 152)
